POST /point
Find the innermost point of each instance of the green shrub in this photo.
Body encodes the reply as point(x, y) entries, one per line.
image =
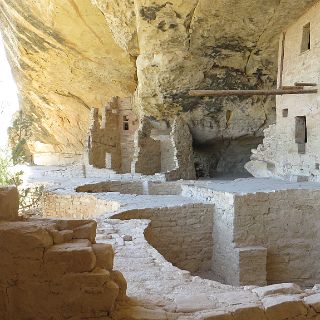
point(7, 175)
point(19, 133)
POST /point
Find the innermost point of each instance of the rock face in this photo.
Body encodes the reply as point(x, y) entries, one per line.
point(65, 61)
point(70, 56)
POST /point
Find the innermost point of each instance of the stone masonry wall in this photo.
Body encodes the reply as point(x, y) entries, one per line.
point(225, 265)
point(182, 142)
point(168, 161)
point(300, 65)
point(164, 188)
point(264, 237)
point(148, 151)
point(286, 223)
point(81, 206)
point(183, 235)
point(111, 141)
point(54, 269)
point(171, 154)
point(133, 187)
point(51, 270)
point(127, 136)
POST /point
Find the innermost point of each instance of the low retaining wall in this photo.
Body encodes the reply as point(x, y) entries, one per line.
point(133, 187)
point(76, 206)
point(183, 235)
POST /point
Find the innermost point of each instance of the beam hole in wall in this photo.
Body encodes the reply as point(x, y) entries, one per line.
point(285, 113)
point(306, 38)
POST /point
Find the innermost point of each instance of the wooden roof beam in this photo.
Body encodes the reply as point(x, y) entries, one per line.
point(248, 93)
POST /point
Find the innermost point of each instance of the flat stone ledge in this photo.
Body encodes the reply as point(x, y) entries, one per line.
point(282, 288)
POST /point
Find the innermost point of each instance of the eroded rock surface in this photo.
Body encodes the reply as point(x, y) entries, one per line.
point(70, 56)
point(65, 61)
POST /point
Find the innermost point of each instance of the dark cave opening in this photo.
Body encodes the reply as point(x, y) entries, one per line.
point(224, 158)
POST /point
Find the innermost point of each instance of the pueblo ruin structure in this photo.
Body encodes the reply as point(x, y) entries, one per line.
point(290, 149)
point(140, 118)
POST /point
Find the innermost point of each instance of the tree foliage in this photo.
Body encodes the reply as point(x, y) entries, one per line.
point(19, 133)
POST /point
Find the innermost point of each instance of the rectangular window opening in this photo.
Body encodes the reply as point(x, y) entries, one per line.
point(301, 134)
point(285, 113)
point(125, 123)
point(317, 166)
point(306, 38)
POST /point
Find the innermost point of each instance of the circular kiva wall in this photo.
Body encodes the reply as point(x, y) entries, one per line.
point(182, 234)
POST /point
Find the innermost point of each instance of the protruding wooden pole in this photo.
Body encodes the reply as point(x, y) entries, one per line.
point(305, 84)
point(228, 93)
point(291, 88)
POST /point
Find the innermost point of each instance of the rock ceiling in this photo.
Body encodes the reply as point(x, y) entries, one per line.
point(70, 55)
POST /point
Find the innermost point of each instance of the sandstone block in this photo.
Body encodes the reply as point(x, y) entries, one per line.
point(313, 301)
point(86, 231)
point(284, 307)
point(141, 313)
point(120, 280)
point(61, 236)
point(215, 315)
point(104, 254)
point(9, 203)
point(70, 257)
point(249, 313)
point(92, 292)
point(23, 237)
point(282, 288)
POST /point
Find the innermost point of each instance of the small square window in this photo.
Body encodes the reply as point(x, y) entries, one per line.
point(285, 113)
point(306, 38)
point(126, 126)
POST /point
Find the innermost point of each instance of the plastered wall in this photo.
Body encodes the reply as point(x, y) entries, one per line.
point(279, 155)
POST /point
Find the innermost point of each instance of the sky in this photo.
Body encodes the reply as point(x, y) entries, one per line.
point(8, 95)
